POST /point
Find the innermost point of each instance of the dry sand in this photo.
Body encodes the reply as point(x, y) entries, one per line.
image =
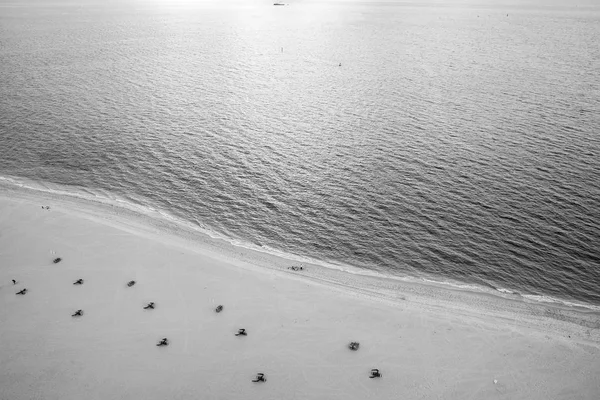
point(428, 342)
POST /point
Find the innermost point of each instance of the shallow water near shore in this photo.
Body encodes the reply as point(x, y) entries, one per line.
point(454, 144)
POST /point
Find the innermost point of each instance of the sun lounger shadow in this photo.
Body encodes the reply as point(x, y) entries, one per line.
point(241, 332)
point(260, 377)
point(149, 306)
point(130, 283)
point(22, 292)
point(219, 308)
point(57, 260)
point(163, 342)
point(77, 313)
point(78, 282)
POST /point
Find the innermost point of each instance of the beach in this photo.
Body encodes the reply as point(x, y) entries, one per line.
point(328, 200)
point(427, 341)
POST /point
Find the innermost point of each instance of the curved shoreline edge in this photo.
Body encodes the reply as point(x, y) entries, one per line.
point(561, 319)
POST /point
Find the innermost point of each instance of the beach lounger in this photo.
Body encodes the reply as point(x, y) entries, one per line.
point(375, 373)
point(260, 377)
point(219, 309)
point(130, 283)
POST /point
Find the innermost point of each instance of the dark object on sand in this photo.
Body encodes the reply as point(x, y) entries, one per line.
point(353, 346)
point(14, 282)
point(22, 292)
point(375, 373)
point(219, 308)
point(241, 332)
point(78, 282)
point(78, 313)
point(57, 260)
point(130, 283)
point(150, 306)
point(260, 377)
point(163, 342)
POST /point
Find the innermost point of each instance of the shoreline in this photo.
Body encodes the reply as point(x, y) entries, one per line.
point(430, 295)
point(427, 341)
point(177, 226)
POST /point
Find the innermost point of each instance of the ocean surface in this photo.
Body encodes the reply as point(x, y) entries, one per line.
point(453, 141)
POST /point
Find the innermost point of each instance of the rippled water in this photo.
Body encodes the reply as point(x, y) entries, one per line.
point(453, 142)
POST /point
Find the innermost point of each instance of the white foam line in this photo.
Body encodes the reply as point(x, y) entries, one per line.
point(549, 299)
point(150, 211)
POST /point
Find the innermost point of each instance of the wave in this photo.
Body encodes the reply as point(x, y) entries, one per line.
point(513, 294)
point(131, 203)
point(554, 300)
point(139, 206)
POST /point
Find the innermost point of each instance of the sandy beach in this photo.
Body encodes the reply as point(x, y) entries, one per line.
point(428, 342)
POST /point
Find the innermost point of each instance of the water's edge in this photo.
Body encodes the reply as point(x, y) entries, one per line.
point(162, 219)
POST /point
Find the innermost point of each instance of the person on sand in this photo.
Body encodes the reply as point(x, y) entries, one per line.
point(77, 313)
point(149, 306)
point(260, 377)
point(163, 342)
point(353, 346)
point(22, 292)
point(14, 282)
point(57, 260)
point(78, 282)
point(219, 308)
point(130, 283)
point(375, 373)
